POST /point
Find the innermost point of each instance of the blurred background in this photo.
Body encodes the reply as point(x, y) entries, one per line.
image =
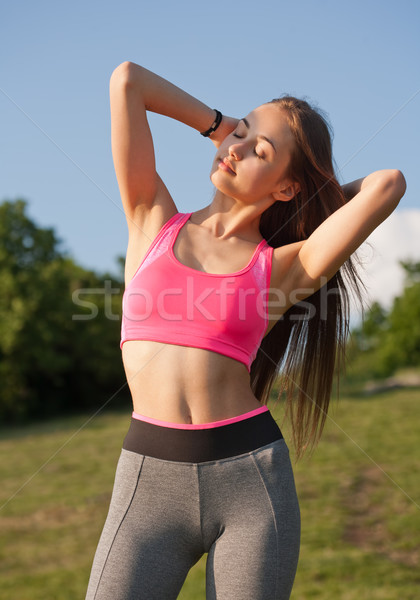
point(63, 239)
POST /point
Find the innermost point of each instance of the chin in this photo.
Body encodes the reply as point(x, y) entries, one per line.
point(219, 184)
point(215, 179)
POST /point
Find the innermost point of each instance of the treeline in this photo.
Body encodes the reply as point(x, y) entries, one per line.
point(59, 325)
point(388, 340)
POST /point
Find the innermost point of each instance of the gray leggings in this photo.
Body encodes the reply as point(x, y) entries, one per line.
point(164, 515)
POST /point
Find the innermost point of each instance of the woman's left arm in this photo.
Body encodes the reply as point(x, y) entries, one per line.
point(335, 240)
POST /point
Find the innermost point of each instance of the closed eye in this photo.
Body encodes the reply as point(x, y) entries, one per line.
point(255, 152)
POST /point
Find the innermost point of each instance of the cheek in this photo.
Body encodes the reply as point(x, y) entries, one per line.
point(258, 175)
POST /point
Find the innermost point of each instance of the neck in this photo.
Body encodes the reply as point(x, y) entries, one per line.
point(226, 217)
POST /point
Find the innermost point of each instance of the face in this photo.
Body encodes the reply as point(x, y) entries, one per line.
point(251, 163)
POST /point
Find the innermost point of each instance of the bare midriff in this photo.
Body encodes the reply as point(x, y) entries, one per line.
point(179, 384)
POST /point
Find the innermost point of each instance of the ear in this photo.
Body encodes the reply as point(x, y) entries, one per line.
point(286, 193)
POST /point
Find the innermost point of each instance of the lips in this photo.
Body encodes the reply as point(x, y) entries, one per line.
point(226, 166)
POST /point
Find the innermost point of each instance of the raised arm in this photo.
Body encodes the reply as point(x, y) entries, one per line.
point(373, 199)
point(133, 91)
point(353, 187)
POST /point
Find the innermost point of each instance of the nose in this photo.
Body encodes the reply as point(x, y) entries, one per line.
point(235, 151)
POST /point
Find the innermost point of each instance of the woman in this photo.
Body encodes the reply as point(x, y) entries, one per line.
point(213, 308)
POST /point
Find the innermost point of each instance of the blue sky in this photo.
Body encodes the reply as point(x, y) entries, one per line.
point(357, 60)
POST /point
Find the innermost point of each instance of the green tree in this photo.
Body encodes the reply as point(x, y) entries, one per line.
point(362, 346)
point(388, 340)
point(401, 342)
point(50, 361)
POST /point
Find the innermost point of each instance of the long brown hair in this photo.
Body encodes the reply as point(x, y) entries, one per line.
point(307, 345)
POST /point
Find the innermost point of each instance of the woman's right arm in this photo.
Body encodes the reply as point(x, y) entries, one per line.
point(133, 91)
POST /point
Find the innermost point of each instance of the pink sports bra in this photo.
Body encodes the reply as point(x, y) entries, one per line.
point(169, 302)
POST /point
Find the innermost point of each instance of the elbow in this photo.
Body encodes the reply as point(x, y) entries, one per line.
point(121, 71)
point(125, 73)
point(395, 186)
point(399, 184)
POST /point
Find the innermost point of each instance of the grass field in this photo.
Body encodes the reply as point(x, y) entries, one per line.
point(359, 496)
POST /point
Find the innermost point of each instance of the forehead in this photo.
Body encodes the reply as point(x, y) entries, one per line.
point(270, 121)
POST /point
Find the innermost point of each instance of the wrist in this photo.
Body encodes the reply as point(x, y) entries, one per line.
point(215, 124)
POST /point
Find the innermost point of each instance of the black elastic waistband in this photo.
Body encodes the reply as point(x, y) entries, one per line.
point(202, 445)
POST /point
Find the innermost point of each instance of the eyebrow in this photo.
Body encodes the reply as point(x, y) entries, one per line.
point(263, 137)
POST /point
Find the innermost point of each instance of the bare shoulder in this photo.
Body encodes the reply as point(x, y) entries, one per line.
point(144, 225)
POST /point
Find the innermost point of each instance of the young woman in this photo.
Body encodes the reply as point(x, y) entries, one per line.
point(218, 303)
